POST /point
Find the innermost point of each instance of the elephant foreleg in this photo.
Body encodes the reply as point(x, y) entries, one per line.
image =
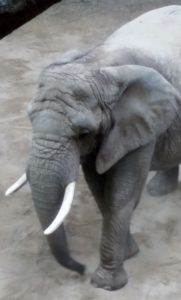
point(123, 185)
point(96, 184)
point(163, 182)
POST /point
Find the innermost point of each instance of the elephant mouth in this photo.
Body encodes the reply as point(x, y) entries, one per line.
point(64, 208)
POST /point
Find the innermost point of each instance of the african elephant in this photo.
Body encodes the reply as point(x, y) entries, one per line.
point(116, 111)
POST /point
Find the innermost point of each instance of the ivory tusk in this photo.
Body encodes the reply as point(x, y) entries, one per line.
point(17, 185)
point(64, 209)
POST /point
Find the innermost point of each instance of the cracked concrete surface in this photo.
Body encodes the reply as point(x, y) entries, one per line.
point(27, 270)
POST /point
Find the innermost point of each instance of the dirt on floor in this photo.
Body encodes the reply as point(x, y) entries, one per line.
point(27, 269)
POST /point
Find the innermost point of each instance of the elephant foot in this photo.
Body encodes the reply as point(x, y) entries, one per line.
point(109, 280)
point(163, 182)
point(131, 247)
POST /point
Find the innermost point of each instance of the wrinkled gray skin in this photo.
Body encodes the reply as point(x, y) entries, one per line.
point(116, 110)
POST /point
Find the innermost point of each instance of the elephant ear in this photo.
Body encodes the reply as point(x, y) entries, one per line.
point(145, 108)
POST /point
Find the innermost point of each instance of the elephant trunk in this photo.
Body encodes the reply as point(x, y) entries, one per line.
point(48, 181)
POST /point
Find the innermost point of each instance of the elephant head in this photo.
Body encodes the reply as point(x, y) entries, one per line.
point(80, 109)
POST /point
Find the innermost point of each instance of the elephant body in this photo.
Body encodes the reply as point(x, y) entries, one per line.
point(116, 110)
point(151, 40)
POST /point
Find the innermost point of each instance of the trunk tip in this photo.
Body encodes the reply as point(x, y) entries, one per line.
point(78, 267)
point(82, 269)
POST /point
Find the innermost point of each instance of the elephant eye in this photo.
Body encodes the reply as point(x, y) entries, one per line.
point(83, 134)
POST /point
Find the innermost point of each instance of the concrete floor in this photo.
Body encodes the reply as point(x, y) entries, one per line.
point(27, 270)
